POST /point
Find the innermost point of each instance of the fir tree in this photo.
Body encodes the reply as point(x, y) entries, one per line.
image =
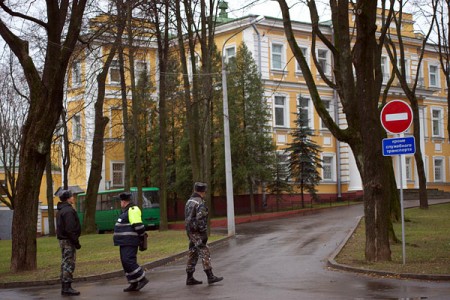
point(304, 160)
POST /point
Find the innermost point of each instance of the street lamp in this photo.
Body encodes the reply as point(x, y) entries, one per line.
point(226, 135)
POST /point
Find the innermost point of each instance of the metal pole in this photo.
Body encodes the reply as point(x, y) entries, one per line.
point(402, 208)
point(226, 135)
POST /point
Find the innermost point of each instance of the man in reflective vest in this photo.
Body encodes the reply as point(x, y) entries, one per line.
point(128, 232)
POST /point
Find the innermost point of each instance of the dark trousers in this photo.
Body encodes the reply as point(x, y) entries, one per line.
point(128, 257)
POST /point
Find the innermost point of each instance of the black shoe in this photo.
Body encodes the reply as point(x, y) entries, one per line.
point(131, 288)
point(141, 283)
point(67, 290)
point(191, 280)
point(211, 278)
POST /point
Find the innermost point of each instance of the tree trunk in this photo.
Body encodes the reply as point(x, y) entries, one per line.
point(126, 127)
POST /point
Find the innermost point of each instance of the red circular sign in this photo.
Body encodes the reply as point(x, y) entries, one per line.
point(396, 116)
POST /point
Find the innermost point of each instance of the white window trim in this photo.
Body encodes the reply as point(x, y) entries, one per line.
point(407, 68)
point(283, 55)
point(411, 171)
point(385, 69)
point(113, 162)
point(333, 166)
point(76, 83)
point(438, 81)
point(310, 110)
point(328, 60)
point(440, 122)
point(286, 111)
point(441, 158)
point(297, 65)
point(147, 65)
point(75, 126)
point(113, 63)
point(225, 54)
point(330, 111)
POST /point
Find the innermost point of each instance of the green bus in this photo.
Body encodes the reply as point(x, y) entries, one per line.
point(108, 207)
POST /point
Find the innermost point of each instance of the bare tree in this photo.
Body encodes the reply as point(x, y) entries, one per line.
point(441, 11)
point(61, 22)
point(359, 93)
point(399, 68)
point(13, 111)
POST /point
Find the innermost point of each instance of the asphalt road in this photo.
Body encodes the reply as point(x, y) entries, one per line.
point(277, 259)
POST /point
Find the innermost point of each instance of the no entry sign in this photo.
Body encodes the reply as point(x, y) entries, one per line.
point(396, 116)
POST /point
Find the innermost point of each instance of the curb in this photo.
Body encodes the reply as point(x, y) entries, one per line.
point(113, 274)
point(331, 263)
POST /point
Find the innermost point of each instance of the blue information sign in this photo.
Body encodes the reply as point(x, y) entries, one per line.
point(399, 146)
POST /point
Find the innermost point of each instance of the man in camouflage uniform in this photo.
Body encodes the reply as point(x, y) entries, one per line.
point(196, 222)
point(68, 231)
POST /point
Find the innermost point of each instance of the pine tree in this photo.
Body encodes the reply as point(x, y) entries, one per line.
point(304, 161)
point(252, 146)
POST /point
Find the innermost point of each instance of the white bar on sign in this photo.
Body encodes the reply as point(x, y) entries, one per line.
point(397, 117)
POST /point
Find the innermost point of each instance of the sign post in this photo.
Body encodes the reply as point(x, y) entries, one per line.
point(396, 117)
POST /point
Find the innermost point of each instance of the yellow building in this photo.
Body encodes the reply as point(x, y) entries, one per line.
point(284, 85)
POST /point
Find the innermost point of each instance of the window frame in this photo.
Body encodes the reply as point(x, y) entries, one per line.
point(306, 55)
point(226, 55)
point(285, 108)
point(437, 76)
point(439, 120)
point(113, 68)
point(332, 165)
point(76, 73)
point(76, 127)
point(330, 110)
point(325, 60)
point(113, 182)
point(281, 54)
point(441, 167)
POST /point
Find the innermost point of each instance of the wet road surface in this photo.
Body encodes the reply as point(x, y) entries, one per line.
point(277, 259)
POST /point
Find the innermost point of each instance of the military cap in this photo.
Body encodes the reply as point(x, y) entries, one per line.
point(200, 187)
point(65, 194)
point(126, 196)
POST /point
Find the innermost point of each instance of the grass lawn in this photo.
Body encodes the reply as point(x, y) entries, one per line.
point(427, 240)
point(97, 255)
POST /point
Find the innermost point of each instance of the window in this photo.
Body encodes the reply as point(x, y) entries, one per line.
point(433, 72)
point(277, 56)
point(305, 54)
point(385, 69)
point(420, 80)
point(280, 111)
point(118, 174)
point(408, 167)
point(114, 72)
point(437, 122)
point(116, 130)
point(230, 53)
point(305, 110)
point(439, 172)
point(140, 69)
point(76, 127)
point(322, 59)
point(282, 165)
point(407, 69)
point(328, 167)
point(329, 106)
point(76, 73)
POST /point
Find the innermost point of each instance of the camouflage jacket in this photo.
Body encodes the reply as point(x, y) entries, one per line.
point(196, 214)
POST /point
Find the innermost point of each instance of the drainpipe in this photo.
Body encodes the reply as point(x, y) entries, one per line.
point(338, 143)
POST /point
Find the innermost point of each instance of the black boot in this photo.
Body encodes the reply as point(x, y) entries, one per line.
point(131, 288)
point(67, 290)
point(211, 277)
point(141, 283)
point(191, 280)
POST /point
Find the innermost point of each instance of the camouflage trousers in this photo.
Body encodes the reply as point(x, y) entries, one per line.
point(68, 259)
point(198, 248)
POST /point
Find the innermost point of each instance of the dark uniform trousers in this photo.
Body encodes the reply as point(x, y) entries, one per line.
point(68, 254)
point(128, 257)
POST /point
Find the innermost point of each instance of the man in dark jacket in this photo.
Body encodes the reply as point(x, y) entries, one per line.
point(196, 222)
point(128, 233)
point(68, 231)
